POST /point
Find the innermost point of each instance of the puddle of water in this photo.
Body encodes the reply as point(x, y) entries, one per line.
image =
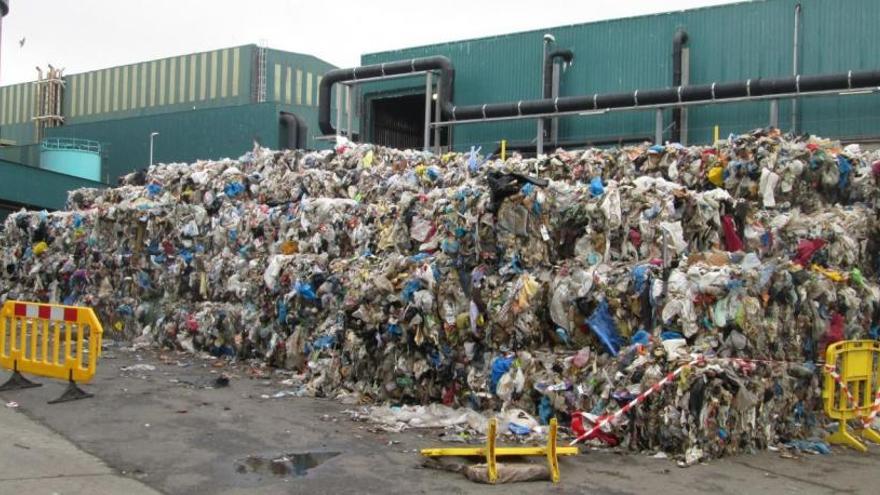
point(283, 466)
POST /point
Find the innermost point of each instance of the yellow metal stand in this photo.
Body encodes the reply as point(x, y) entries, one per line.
point(850, 395)
point(491, 452)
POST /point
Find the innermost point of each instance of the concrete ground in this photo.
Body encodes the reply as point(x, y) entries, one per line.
point(35, 459)
point(167, 428)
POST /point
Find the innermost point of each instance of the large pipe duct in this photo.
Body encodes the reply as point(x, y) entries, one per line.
point(691, 94)
point(701, 93)
point(439, 63)
point(678, 40)
point(566, 56)
point(296, 135)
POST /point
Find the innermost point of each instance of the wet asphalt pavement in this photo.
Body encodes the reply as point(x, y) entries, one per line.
point(173, 429)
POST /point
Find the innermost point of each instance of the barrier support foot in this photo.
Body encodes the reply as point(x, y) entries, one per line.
point(73, 392)
point(843, 437)
point(871, 435)
point(17, 381)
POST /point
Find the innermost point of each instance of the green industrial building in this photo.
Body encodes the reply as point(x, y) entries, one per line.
point(217, 104)
point(755, 39)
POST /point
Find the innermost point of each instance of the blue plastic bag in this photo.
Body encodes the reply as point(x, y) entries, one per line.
point(305, 290)
point(604, 328)
point(233, 189)
point(324, 342)
point(500, 366)
point(640, 276)
point(596, 187)
point(641, 337)
point(545, 410)
point(845, 168)
point(473, 162)
point(518, 429)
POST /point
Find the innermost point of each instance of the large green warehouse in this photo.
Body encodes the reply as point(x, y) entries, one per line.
point(204, 105)
point(755, 39)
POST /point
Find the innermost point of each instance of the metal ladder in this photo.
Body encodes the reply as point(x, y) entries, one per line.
point(261, 72)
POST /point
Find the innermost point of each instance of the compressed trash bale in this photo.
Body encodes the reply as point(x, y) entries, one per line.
point(405, 276)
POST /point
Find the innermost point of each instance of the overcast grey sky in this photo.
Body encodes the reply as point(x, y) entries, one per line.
point(91, 34)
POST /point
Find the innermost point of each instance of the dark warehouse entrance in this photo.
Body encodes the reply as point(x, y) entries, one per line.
point(399, 122)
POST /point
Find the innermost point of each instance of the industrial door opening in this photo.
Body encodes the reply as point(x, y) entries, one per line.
point(399, 122)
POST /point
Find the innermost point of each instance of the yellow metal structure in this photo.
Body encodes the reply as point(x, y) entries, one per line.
point(503, 150)
point(858, 363)
point(50, 340)
point(715, 134)
point(490, 452)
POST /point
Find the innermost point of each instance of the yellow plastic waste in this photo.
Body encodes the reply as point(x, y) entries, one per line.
point(716, 176)
point(40, 248)
point(368, 159)
point(831, 274)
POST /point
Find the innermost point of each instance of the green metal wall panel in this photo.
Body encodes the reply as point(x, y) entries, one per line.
point(186, 136)
point(160, 86)
point(16, 112)
point(727, 43)
point(17, 186)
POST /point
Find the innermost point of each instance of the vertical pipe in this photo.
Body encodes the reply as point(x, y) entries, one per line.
point(438, 116)
point(658, 126)
point(794, 63)
point(716, 134)
point(774, 113)
point(338, 111)
point(685, 80)
point(348, 111)
point(427, 129)
point(539, 144)
point(678, 40)
point(554, 123)
point(503, 150)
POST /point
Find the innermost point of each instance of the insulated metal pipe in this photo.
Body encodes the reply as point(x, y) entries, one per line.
point(296, 136)
point(545, 51)
point(677, 96)
point(381, 71)
point(549, 62)
point(716, 92)
point(678, 40)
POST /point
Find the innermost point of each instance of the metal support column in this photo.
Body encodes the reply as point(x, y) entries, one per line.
point(685, 80)
point(539, 143)
point(774, 114)
point(339, 111)
point(438, 116)
point(348, 110)
point(429, 86)
point(658, 126)
point(554, 123)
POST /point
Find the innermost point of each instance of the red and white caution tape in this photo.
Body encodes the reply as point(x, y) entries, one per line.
point(832, 370)
point(868, 421)
point(633, 403)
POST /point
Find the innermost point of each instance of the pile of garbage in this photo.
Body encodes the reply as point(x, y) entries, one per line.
point(561, 285)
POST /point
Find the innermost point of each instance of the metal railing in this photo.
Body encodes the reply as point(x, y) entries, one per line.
point(61, 143)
